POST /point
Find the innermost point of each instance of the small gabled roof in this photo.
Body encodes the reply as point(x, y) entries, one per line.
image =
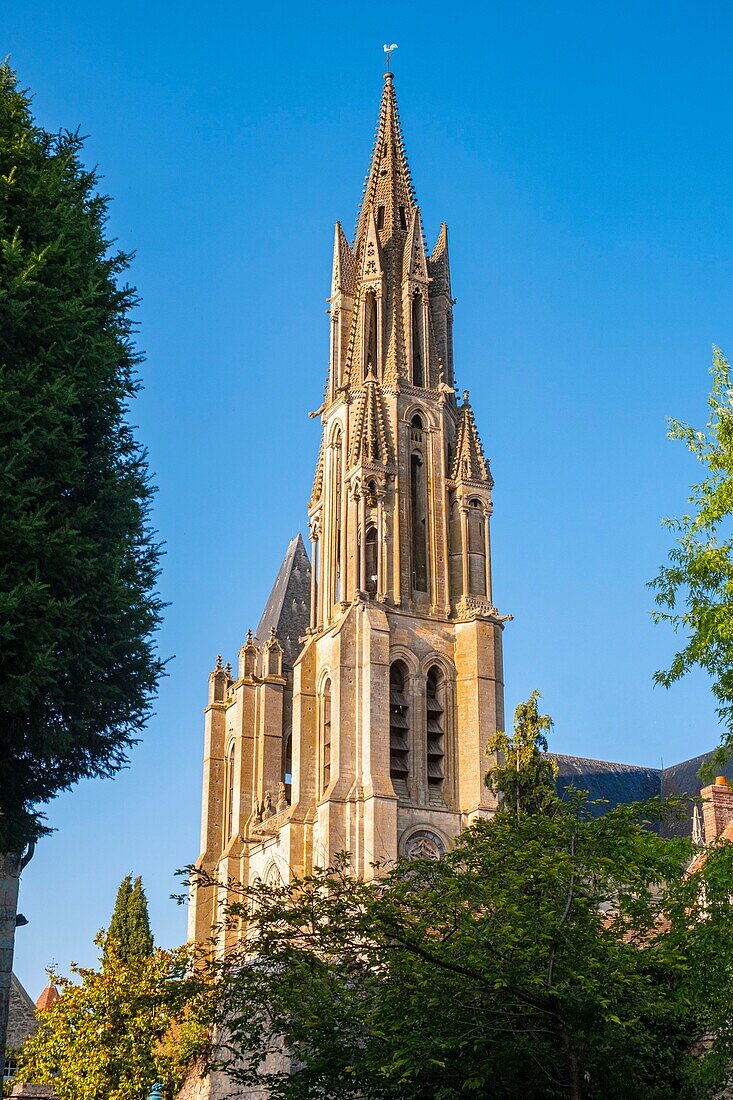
point(287, 611)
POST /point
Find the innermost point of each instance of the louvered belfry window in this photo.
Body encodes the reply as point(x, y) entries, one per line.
point(435, 731)
point(399, 728)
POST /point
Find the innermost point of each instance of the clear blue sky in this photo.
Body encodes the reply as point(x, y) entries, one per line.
point(582, 157)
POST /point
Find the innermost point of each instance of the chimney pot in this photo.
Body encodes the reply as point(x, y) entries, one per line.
point(721, 781)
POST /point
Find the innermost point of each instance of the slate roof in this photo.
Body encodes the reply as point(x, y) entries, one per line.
point(288, 608)
point(622, 783)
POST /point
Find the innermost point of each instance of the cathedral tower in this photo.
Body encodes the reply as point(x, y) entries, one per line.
point(360, 712)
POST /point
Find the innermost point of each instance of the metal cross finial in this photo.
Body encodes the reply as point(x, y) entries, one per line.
point(389, 50)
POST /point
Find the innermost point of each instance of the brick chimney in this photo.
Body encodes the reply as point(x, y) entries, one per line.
point(717, 808)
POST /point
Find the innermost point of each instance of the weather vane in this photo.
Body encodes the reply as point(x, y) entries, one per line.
point(389, 50)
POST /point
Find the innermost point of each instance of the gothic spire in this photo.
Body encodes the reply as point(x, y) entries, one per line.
point(470, 462)
point(389, 183)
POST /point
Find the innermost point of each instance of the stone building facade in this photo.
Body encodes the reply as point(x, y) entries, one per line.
point(358, 714)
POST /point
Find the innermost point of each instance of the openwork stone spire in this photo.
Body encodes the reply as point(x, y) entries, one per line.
point(371, 443)
point(470, 462)
point(389, 182)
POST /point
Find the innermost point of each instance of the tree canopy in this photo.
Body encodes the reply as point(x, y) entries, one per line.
point(78, 558)
point(694, 592)
point(116, 1030)
point(549, 954)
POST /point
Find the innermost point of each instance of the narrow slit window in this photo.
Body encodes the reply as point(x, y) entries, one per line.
point(230, 793)
point(326, 740)
point(380, 217)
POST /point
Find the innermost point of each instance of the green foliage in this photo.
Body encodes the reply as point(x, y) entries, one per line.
point(539, 958)
point(78, 560)
point(117, 1030)
point(129, 936)
point(523, 774)
point(695, 591)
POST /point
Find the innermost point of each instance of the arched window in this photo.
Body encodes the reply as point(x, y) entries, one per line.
point(418, 509)
point(370, 363)
point(435, 732)
point(399, 727)
point(230, 793)
point(326, 736)
point(476, 549)
point(418, 341)
point(371, 559)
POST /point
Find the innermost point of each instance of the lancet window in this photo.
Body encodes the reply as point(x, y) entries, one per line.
point(326, 735)
point(336, 500)
point(418, 341)
point(230, 792)
point(399, 727)
point(476, 549)
point(370, 328)
point(435, 734)
point(371, 558)
point(455, 539)
point(288, 765)
point(418, 507)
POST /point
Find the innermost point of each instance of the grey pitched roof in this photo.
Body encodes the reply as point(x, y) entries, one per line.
point(621, 783)
point(21, 1015)
point(288, 608)
point(617, 783)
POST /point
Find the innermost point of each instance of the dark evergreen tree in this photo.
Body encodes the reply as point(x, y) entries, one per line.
point(78, 558)
point(129, 936)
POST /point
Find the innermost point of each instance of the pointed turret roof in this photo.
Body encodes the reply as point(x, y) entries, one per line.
point(371, 442)
point(343, 278)
point(470, 462)
point(439, 265)
point(48, 997)
point(389, 182)
point(287, 611)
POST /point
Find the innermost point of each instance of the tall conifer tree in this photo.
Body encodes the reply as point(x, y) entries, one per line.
point(78, 558)
point(129, 936)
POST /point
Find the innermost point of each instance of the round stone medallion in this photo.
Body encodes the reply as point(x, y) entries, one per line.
point(424, 844)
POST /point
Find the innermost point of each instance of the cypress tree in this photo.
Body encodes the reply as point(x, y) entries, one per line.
point(129, 936)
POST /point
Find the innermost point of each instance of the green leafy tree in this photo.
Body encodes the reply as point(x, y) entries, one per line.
point(539, 958)
point(129, 936)
point(78, 558)
point(523, 774)
point(115, 1031)
point(694, 592)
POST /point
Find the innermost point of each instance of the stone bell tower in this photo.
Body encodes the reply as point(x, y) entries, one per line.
point(368, 734)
